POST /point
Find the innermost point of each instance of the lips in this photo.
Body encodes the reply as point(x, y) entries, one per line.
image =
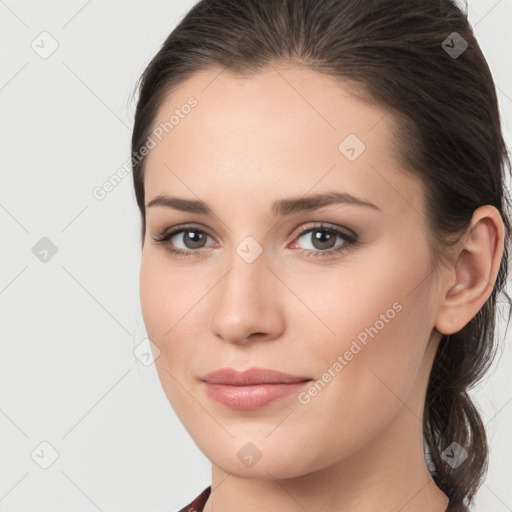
point(230, 376)
point(251, 389)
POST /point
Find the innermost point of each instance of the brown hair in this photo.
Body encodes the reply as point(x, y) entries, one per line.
point(449, 135)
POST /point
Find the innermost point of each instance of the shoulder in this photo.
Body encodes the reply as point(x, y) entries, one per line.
point(198, 503)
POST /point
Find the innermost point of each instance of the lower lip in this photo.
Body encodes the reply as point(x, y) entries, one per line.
point(251, 397)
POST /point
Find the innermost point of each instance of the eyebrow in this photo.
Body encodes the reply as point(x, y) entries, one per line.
point(280, 208)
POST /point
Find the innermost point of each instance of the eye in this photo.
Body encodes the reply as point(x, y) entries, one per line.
point(191, 237)
point(321, 237)
point(322, 240)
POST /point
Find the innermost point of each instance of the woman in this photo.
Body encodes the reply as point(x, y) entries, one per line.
point(325, 232)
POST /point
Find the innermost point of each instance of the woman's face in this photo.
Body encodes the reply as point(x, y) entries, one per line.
point(350, 305)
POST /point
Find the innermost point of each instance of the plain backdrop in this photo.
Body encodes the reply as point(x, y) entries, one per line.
point(73, 396)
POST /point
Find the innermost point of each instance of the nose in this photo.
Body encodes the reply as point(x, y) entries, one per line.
point(247, 304)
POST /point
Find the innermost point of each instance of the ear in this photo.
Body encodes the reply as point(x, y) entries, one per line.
point(470, 280)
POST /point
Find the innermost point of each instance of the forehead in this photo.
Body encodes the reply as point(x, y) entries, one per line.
point(280, 132)
point(278, 96)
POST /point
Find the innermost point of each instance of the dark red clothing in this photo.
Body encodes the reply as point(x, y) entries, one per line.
point(198, 504)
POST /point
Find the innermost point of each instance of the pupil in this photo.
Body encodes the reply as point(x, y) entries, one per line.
point(318, 237)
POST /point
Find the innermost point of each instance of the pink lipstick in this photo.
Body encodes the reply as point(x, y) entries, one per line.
point(251, 389)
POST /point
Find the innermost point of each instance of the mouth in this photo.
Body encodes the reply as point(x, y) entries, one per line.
point(251, 389)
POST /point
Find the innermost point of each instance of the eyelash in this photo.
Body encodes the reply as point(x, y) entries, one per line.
point(350, 240)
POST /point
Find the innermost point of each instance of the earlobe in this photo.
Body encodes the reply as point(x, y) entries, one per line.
point(474, 271)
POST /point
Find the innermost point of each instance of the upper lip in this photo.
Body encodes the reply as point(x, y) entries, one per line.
point(250, 376)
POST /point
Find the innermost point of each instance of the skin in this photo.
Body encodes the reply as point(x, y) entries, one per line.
point(357, 444)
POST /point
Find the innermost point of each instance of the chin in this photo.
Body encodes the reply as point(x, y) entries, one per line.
point(261, 458)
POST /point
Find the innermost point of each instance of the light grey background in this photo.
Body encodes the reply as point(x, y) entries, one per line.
point(68, 374)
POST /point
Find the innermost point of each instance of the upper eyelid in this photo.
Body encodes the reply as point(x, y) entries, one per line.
point(323, 225)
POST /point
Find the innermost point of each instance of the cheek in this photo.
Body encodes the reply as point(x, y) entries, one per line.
point(161, 305)
point(166, 294)
point(152, 297)
point(171, 301)
point(365, 374)
point(376, 325)
point(164, 307)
